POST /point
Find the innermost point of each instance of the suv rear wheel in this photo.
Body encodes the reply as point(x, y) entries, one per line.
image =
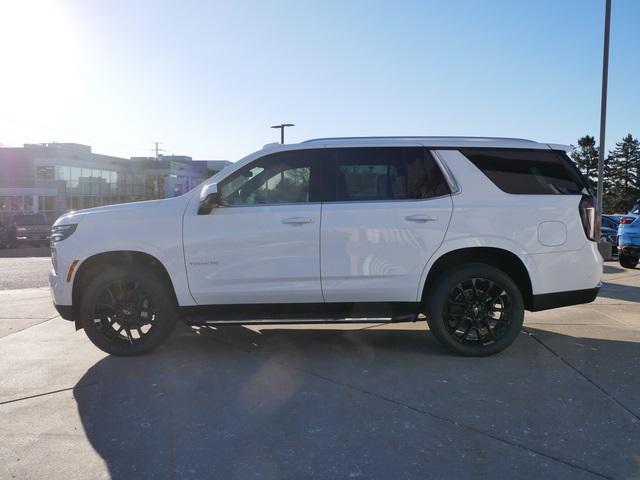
point(127, 311)
point(475, 310)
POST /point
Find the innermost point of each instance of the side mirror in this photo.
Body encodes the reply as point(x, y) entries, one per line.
point(209, 199)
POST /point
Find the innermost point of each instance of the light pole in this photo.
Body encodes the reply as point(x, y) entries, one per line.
point(282, 126)
point(603, 104)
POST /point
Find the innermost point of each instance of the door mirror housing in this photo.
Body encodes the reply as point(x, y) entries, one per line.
point(209, 199)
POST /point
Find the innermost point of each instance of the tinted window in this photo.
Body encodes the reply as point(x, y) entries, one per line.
point(284, 177)
point(386, 173)
point(609, 222)
point(529, 171)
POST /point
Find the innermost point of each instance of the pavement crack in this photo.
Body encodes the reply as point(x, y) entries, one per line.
point(53, 392)
point(26, 328)
point(453, 422)
point(430, 414)
point(610, 396)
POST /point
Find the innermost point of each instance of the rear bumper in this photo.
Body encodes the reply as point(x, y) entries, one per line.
point(547, 301)
point(23, 240)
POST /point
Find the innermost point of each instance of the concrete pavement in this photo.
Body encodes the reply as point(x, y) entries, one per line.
point(365, 401)
point(25, 272)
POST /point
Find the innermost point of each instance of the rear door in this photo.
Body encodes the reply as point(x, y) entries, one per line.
point(388, 213)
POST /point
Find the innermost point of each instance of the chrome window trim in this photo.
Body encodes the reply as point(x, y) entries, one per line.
point(265, 205)
point(333, 202)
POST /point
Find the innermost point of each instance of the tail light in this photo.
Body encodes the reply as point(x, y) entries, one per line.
point(627, 220)
point(588, 216)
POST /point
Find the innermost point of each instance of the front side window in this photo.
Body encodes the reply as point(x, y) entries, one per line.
point(386, 173)
point(283, 177)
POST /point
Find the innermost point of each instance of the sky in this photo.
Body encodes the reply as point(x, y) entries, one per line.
point(208, 78)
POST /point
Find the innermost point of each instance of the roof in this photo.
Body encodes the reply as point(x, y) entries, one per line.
point(494, 142)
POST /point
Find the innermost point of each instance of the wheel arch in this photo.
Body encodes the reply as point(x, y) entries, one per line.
point(500, 258)
point(117, 258)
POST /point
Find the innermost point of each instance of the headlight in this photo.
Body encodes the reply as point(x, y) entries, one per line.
point(61, 232)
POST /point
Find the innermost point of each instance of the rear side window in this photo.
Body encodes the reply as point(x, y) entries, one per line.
point(533, 172)
point(385, 173)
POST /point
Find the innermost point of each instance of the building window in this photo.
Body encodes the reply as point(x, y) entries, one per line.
point(47, 206)
point(46, 174)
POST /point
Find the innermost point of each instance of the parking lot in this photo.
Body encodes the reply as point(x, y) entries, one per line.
point(316, 401)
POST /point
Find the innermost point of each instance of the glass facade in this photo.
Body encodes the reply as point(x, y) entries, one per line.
point(55, 178)
point(93, 187)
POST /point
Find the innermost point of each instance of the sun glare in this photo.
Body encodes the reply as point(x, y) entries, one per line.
point(37, 52)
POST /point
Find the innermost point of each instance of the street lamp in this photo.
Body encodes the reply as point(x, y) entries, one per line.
point(603, 104)
point(282, 126)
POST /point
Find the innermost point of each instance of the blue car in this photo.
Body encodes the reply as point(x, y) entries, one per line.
point(629, 240)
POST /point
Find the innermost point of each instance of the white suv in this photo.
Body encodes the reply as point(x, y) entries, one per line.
point(468, 232)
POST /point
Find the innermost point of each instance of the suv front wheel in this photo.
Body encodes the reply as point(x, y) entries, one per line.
point(628, 261)
point(475, 310)
point(127, 311)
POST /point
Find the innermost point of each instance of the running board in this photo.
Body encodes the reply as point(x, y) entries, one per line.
point(354, 321)
point(297, 313)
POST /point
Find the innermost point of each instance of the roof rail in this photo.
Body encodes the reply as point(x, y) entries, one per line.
point(416, 137)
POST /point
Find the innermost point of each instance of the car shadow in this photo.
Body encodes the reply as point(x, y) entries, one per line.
point(237, 402)
point(616, 291)
point(613, 269)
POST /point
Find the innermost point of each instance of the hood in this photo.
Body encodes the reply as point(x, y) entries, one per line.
point(123, 210)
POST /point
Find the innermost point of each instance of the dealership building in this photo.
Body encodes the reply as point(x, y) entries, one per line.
point(54, 178)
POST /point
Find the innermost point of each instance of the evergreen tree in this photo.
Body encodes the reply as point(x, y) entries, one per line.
point(586, 158)
point(622, 174)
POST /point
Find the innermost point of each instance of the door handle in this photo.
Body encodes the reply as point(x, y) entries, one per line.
point(297, 220)
point(419, 218)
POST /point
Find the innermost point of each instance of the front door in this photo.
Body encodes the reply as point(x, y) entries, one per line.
point(262, 245)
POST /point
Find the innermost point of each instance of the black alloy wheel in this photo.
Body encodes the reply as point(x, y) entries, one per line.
point(128, 310)
point(124, 311)
point(475, 309)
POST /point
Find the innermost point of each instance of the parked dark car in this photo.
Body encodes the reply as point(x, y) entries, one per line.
point(609, 231)
point(4, 237)
point(27, 229)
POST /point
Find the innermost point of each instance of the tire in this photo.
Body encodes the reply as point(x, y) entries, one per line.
point(628, 261)
point(462, 316)
point(133, 301)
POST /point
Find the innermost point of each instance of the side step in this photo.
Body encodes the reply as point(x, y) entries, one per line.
point(355, 321)
point(297, 313)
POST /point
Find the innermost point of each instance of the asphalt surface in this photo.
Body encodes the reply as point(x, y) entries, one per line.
point(365, 401)
point(27, 272)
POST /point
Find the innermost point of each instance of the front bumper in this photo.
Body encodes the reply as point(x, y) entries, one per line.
point(65, 311)
point(60, 292)
point(629, 249)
